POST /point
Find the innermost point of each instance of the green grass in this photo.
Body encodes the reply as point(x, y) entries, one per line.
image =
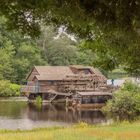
point(123, 131)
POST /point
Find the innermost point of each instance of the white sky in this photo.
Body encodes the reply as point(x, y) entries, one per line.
point(63, 30)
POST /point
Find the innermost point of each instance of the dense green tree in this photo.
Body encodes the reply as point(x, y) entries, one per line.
point(6, 61)
point(17, 55)
point(59, 49)
point(113, 50)
point(14, 65)
point(26, 57)
point(85, 57)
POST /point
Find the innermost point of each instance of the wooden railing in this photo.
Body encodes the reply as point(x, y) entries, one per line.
point(33, 89)
point(29, 89)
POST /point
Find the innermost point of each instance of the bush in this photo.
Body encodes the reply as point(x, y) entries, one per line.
point(125, 103)
point(16, 89)
point(8, 89)
point(38, 100)
point(130, 87)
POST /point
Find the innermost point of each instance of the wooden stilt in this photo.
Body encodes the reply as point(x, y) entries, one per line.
point(52, 98)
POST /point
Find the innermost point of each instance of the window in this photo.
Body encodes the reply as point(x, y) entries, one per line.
point(51, 82)
point(86, 71)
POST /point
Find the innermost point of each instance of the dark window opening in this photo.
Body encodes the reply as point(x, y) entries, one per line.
point(87, 71)
point(51, 82)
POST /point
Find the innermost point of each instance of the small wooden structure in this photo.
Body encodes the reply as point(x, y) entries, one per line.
point(61, 82)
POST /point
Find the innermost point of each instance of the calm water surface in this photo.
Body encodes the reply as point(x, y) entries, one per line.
point(21, 115)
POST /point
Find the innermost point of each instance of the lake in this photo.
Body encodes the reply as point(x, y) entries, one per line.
point(22, 115)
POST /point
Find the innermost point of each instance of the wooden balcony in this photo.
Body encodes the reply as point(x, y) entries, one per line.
point(29, 89)
point(33, 89)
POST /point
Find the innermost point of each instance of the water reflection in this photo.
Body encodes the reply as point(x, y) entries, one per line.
point(20, 115)
point(60, 113)
point(14, 110)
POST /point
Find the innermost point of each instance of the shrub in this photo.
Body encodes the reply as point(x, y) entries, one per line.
point(8, 89)
point(125, 103)
point(38, 99)
point(39, 102)
point(131, 87)
point(16, 89)
point(5, 88)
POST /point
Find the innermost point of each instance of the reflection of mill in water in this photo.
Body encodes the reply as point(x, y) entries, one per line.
point(58, 113)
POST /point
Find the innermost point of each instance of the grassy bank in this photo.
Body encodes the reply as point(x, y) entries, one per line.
point(123, 131)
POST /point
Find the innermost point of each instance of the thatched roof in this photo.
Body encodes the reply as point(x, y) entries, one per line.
point(65, 72)
point(53, 70)
point(50, 77)
point(93, 70)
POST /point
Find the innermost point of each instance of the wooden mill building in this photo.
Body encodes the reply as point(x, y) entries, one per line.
point(61, 82)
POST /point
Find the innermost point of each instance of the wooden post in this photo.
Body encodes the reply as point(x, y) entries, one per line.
point(67, 101)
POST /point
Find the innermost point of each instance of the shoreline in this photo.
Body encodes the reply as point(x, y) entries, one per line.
point(13, 99)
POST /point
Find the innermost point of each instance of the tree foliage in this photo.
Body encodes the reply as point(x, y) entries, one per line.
point(116, 49)
point(17, 55)
point(125, 103)
point(26, 57)
point(113, 23)
point(27, 15)
point(7, 89)
point(62, 50)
